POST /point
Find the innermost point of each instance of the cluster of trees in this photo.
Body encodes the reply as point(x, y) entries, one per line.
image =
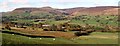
point(57, 18)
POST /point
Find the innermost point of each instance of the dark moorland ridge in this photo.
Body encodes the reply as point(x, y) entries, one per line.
point(98, 10)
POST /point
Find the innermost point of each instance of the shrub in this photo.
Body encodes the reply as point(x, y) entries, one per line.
point(7, 27)
point(80, 33)
point(77, 33)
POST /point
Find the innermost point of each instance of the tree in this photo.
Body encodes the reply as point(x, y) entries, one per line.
point(98, 21)
point(7, 27)
point(54, 27)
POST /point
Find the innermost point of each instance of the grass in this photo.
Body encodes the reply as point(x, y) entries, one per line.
point(99, 38)
point(17, 39)
point(85, 40)
point(56, 22)
point(92, 21)
point(94, 38)
point(24, 21)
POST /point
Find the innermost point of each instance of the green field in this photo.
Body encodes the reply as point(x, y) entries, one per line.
point(89, 19)
point(93, 38)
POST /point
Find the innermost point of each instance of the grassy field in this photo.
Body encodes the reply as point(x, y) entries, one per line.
point(92, 20)
point(94, 38)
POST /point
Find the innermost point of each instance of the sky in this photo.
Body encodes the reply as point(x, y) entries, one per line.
point(9, 5)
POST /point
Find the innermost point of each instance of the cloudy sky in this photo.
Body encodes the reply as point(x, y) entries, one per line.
point(8, 5)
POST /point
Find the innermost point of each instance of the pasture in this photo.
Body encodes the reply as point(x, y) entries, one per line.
point(93, 38)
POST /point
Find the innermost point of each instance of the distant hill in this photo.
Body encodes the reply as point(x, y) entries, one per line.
point(99, 10)
point(35, 11)
point(72, 10)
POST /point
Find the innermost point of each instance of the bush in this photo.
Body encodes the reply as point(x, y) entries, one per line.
point(7, 27)
point(80, 33)
point(45, 29)
point(3, 28)
point(77, 33)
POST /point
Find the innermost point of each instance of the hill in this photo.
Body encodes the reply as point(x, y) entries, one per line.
point(98, 10)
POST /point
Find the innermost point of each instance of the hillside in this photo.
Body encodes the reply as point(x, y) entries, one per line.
point(98, 10)
point(36, 11)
